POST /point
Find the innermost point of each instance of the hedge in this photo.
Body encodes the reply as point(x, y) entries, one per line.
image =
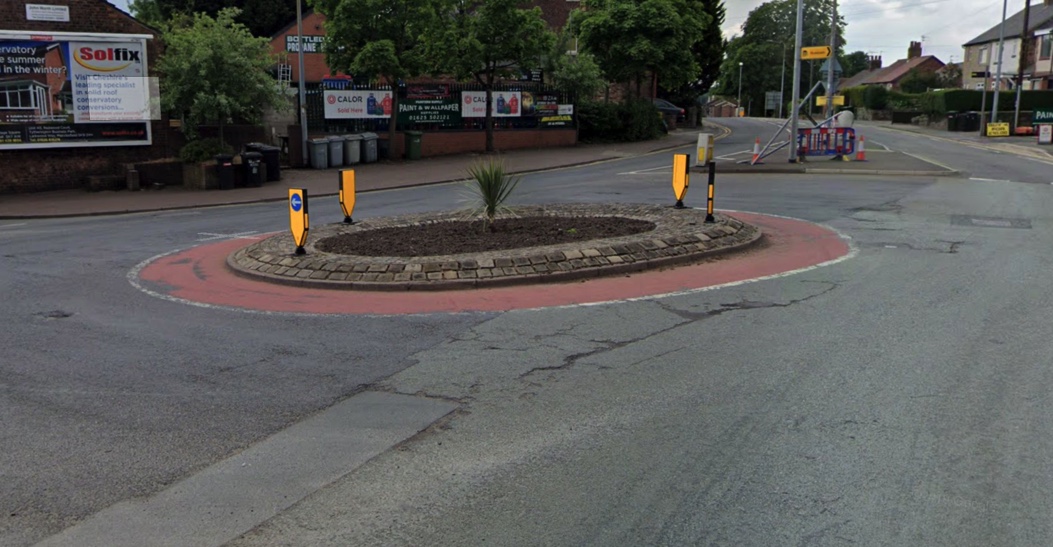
point(618, 122)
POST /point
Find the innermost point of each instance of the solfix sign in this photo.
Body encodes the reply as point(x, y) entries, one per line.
point(341, 104)
point(506, 104)
point(107, 60)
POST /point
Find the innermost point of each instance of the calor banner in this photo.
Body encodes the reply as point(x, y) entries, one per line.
point(506, 104)
point(364, 104)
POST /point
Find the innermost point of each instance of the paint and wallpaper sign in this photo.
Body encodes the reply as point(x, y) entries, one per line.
point(70, 90)
point(1043, 115)
point(506, 104)
point(429, 111)
point(357, 104)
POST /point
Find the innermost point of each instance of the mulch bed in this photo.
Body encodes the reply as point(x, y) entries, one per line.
point(458, 237)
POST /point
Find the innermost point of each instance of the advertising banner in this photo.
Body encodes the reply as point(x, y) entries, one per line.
point(506, 104)
point(547, 109)
point(437, 111)
point(311, 44)
point(78, 92)
point(358, 104)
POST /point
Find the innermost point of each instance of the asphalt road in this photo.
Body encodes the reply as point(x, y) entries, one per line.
point(899, 397)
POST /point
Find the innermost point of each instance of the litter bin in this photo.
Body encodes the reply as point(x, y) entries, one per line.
point(352, 149)
point(225, 171)
point(413, 144)
point(319, 150)
point(369, 147)
point(272, 158)
point(953, 121)
point(336, 151)
point(382, 148)
point(252, 163)
point(969, 121)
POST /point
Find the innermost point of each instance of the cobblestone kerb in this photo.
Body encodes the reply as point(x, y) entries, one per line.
point(680, 236)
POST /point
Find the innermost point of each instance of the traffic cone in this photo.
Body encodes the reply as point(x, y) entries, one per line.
point(861, 152)
point(756, 151)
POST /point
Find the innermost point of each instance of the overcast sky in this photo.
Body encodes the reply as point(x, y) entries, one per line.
point(887, 27)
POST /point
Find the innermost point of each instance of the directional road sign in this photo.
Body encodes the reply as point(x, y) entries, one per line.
point(815, 52)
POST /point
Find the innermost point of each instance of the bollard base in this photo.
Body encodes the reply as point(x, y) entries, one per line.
point(709, 218)
point(301, 251)
point(347, 220)
point(679, 204)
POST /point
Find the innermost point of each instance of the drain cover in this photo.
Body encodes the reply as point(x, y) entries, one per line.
point(991, 222)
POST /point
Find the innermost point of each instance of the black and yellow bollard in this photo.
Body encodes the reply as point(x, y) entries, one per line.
point(681, 175)
point(347, 193)
point(712, 188)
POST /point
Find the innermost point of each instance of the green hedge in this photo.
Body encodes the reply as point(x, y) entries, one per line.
point(200, 150)
point(939, 103)
point(618, 122)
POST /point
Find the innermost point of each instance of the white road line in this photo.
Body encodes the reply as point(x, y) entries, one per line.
point(990, 180)
point(647, 171)
point(13, 225)
point(209, 236)
point(882, 145)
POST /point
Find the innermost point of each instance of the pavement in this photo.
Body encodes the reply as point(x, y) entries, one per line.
point(1019, 145)
point(318, 182)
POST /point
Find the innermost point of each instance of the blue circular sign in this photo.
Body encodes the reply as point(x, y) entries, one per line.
point(295, 202)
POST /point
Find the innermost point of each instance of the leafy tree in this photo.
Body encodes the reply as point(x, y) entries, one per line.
point(631, 38)
point(875, 97)
point(766, 46)
point(487, 40)
point(214, 70)
point(262, 17)
point(577, 73)
point(708, 53)
point(950, 76)
point(917, 81)
point(854, 63)
point(386, 45)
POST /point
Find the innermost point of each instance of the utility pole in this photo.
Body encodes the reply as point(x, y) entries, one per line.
point(830, 64)
point(1025, 43)
point(300, 83)
point(795, 112)
point(782, 81)
point(998, 73)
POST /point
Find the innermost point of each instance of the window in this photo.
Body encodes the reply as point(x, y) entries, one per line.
point(983, 55)
point(20, 95)
point(1044, 48)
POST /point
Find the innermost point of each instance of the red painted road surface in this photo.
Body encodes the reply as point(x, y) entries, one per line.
point(200, 275)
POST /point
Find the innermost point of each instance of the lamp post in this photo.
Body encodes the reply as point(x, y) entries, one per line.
point(740, 86)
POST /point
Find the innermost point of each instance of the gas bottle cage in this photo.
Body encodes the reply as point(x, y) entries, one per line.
point(824, 141)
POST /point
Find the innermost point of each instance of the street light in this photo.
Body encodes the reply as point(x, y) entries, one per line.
point(740, 86)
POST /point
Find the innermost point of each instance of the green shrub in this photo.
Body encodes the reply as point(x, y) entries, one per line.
point(492, 187)
point(618, 122)
point(875, 97)
point(854, 95)
point(200, 150)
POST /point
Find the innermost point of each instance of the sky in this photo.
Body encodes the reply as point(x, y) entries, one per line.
point(887, 28)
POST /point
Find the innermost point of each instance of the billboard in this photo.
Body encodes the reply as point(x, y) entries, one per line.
point(366, 104)
point(506, 104)
point(74, 90)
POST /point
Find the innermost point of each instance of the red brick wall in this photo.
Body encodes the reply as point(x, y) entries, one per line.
point(313, 63)
point(61, 168)
point(459, 142)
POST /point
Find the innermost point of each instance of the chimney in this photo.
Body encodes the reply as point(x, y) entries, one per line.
point(914, 50)
point(874, 61)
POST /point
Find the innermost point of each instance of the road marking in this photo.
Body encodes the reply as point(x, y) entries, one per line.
point(995, 223)
point(13, 225)
point(991, 180)
point(881, 145)
point(231, 497)
point(647, 171)
point(209, 236)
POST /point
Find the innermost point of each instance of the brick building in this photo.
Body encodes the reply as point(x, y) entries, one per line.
point(66, 160)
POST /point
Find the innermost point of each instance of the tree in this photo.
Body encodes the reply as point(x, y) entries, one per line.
point(386, 45)
point(917, 81)
point(262, 17)
point(708, 53)
point(214, 70)
point(950, 76)
point(575, 73)
point(854, 63)
point(766, 47)
point(486, 40)
point(631, 38)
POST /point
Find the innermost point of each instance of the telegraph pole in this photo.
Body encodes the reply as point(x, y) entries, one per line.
point(830, 64)
point(1025, 42)
point(795, 111)
point(998, 74)
point(300, 83)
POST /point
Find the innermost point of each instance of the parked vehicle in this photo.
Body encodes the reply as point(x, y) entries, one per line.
point(666, 107)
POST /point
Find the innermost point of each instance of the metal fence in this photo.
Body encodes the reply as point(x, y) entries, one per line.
point(448, 121)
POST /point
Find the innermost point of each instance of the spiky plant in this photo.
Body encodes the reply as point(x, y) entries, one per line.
point(491, 187)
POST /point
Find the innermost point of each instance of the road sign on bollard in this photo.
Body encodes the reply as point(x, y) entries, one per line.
point(704, 149)
point(347, 193)
point(712, 190)
point(299, 222)
point(681, 171)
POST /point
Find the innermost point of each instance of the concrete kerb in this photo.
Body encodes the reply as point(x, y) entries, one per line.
point(679, 238)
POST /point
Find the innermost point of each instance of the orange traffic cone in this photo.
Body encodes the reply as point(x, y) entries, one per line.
point(861, 152)
point(756, 151)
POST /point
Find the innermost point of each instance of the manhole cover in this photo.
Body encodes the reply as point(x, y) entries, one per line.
point(991, 222)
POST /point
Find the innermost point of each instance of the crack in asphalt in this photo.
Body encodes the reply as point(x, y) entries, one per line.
point(688, 318)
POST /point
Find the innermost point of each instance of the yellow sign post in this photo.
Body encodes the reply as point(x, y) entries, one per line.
point(815, 52)
point(712, 190)
point(839, 100)
point(681, 172)
point(1000, 129)
point(299, 223)
point(347, 193)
